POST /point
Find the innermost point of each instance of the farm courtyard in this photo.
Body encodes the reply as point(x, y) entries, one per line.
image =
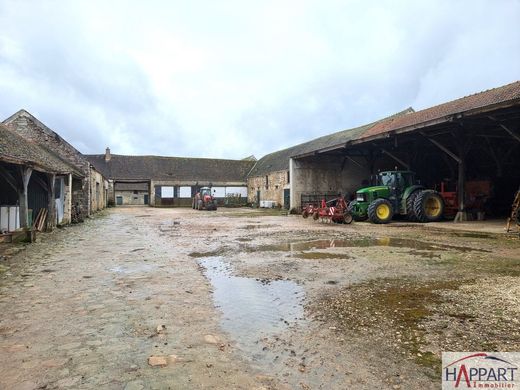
point(149, 298)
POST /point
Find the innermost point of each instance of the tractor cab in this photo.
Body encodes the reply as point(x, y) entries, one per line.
point(205, 191)
point(397, 179)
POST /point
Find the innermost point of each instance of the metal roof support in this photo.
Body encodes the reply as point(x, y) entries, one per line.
point(396, 159)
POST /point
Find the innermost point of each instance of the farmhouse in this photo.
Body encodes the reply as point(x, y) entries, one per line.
point(171, 181)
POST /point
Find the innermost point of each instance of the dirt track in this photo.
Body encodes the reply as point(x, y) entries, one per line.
point(247, 299)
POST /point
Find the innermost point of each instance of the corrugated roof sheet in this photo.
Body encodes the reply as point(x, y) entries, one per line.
point(171, 168)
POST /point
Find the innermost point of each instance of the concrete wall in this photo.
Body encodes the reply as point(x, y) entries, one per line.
point(271, 187)
point(322, 174)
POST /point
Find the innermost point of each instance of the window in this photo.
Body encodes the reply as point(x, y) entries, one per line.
point(266, 182)
point(135, 192)
point(288, 176)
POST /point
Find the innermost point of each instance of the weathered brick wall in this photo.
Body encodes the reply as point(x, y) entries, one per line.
point(271, 187)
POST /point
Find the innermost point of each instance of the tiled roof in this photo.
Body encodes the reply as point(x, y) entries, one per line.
point(19, 150)
point(279, 161)
point(467, 104)
point(29, 127)
point(172, 168)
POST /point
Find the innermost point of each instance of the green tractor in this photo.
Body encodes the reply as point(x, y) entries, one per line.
point(397, 193)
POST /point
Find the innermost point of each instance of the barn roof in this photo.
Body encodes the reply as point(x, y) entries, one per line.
point(122, 167)
point(479, 102)
point(407, 120)
point(279, 161)
point(16, 149)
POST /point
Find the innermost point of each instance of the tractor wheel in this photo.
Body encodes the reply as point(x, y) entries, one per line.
point(380, 211)
point(305, 214)
point(315, 216)
point(347, 218)
point(200, 204)
point(410, 211)
point(428, 206)
point(357, 218)
point(215, 205)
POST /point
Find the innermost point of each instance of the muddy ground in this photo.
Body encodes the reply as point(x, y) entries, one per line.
point(144, 298)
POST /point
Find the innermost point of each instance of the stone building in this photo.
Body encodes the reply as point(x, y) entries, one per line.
point(88, 187)
point(33, 178)
point(171, 181)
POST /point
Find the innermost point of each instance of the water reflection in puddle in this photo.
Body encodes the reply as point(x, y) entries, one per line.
point(352, 243)
point(252, 309)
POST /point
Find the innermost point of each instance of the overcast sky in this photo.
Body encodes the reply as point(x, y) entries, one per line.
point(233, 78)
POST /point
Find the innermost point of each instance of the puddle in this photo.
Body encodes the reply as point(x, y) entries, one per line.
point(252, 309)
point(321, 255)
point(249, 227)
point(361, 242)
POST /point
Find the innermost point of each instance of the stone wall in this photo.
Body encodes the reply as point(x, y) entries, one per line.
point(271, 187)
point(97, 191)
point(32, 129)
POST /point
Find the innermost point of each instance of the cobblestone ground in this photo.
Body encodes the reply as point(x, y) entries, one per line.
point(147, 298)
point(85, 309)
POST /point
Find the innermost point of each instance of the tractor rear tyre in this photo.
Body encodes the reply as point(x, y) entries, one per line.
point(380, 211)
point(315, 216)
point(357, 218)
point(429, 206)
point(410, 202)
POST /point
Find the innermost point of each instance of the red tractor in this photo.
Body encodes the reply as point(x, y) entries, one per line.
point(203, 200)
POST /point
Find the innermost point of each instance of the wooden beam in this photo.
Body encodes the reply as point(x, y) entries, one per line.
point(51, 216)
point(25, 175)
point(515, 136)
point(396, 158)
point(9, 179)
point(509, 131)
point(443, 148)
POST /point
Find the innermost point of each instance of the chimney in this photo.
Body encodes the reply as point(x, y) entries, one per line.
point(107, 155)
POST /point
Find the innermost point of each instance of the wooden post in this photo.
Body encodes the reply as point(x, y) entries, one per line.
point(51, 216)
point(461, 213)
point(25, 175)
